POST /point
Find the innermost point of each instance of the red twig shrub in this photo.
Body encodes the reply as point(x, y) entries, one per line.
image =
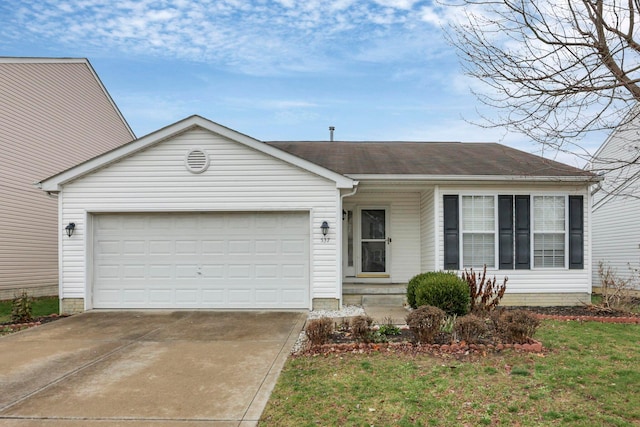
point(485, 294)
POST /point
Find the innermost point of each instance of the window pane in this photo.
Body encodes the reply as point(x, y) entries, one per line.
point(373, 224)
point(549, 228)
point(478, 250)
point(373, 257)
point(548, 213)
point(478, 213)
point(548, 250)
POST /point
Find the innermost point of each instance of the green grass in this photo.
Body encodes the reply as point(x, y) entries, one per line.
point(588, 378)
point(42, 306)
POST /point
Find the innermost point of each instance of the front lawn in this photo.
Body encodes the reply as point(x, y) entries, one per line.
point(42, 306)
point(588, 377)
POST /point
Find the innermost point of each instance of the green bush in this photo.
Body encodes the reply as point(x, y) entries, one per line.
point(413, 284)
point(446, 291)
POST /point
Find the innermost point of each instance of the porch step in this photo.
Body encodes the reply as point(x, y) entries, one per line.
point(383, 294)
point(384, 300)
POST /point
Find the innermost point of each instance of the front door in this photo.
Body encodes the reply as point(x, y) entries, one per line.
point(373, 241)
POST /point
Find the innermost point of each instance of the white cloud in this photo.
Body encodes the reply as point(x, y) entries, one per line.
point(260, 37)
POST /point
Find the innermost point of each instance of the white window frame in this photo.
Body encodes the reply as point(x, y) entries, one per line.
point(463, 231)
point(533, 231)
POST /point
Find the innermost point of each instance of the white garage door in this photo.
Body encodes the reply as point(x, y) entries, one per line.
point(201, 260)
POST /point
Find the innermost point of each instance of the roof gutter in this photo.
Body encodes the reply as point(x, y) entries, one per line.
point(473, 178)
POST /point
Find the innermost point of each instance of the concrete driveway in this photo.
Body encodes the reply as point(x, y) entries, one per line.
point(145, 368)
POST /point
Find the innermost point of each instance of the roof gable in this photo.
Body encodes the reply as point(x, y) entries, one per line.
point(56, 182)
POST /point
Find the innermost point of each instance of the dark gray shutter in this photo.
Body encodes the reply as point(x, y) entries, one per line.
point(451, 233)
point(505, 232)
point(576, 233)
point(523, 232)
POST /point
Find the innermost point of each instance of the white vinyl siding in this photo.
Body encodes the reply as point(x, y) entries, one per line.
point(616, 230)
point(238, 179)
point(534, 280)
point(478, 226)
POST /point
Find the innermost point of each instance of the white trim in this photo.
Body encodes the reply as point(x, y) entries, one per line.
point(473, 178)
point(55, 183)
point(61, 235)
point(438, 228)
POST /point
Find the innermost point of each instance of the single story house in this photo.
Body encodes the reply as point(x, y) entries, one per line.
point(616, 203)
point(54, 113)
point(197, 215)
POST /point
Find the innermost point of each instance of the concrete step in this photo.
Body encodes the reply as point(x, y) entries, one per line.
point(384, 300)
point(374, 289)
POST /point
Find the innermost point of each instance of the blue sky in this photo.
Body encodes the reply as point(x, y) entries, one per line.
point(272, 69)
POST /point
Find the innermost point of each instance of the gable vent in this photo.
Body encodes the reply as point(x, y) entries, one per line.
point(197, 160)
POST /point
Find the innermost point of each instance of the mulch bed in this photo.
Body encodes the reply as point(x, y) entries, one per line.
point(592, 313)
point(342, 342)
point(14, 327)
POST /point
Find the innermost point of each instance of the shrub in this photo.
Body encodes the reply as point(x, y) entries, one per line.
point(425, 323)
point(413, 284)
point(470, 328)
point(361, 328)
point(443, 290)
point(485, 294)
point(319, 330)
point(22, 308)
point(516, 326)
point(617, 292)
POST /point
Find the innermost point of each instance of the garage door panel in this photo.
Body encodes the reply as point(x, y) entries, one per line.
point(238, 260)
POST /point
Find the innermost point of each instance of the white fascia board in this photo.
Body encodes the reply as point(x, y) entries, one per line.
point(55, 183)
point(473, 178)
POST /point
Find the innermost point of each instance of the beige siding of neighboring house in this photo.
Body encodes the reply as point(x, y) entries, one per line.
point(53, 115)
point(616, 207)
point(534, 286)
point(238, 179)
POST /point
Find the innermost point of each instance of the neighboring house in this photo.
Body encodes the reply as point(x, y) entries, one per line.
point(616, 204)
point(54, 113)
point(197, 215)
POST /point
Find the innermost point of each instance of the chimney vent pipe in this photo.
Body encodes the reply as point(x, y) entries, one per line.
point(331, 129)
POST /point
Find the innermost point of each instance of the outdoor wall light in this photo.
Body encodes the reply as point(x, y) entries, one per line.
point(325, 229)
point(69, 228)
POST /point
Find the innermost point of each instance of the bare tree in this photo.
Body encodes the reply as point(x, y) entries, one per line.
point(556, 70)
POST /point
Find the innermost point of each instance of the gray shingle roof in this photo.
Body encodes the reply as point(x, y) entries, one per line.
point(426, 158)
